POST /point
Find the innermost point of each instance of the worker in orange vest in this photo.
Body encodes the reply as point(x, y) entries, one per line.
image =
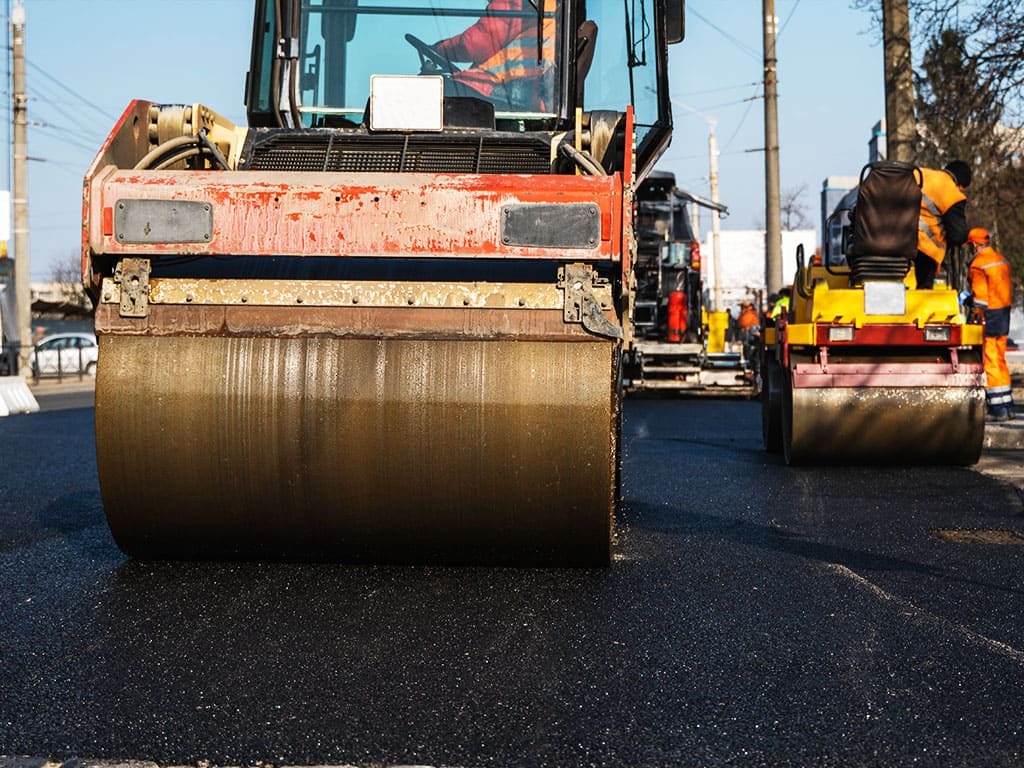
point(750, 329)
point(943, 220)
point(748, 317)
point(509, 69)
point(992, 293)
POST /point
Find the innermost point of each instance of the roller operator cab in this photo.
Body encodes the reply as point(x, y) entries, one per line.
point(384, 322)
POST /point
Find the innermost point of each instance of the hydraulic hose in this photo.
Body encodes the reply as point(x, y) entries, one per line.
point(582, 159)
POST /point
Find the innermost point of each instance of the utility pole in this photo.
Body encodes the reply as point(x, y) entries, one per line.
point(772, 208)
point(716, 251)
point(716, 257)
point(22, 273)
point(900, 125)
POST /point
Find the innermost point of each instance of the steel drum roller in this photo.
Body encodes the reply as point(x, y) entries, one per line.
point(901, 425)
point(360, 449)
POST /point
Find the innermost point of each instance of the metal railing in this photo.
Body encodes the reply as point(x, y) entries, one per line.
point(61, 372)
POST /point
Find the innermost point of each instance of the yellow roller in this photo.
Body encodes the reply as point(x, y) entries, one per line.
point(847, 381)
point(865, 366)
point(912, 425)
point(360, 449)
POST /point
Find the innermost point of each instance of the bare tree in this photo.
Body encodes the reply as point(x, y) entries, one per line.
point(992, 31)
point(970, 104)
point(68, 269)
point(794, 213)
point(960, 106)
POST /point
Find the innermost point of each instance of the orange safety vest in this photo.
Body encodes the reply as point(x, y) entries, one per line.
point(990, 280)
point(515, 58)
point(748, 318)
point(939, 193)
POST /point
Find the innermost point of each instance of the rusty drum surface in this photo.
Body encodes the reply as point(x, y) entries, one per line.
point(883, 425)
point(395, 449)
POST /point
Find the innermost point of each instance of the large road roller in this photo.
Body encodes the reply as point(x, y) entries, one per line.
point(866, 367)
point(383, 322)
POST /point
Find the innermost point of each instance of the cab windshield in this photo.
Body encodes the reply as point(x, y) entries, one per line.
point(484, 50)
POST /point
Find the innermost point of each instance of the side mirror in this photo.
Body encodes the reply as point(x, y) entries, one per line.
point(675, 21)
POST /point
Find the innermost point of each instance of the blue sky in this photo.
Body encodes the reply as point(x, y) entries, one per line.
point(88, 58)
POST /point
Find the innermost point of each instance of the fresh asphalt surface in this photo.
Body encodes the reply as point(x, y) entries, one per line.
point(755, 615)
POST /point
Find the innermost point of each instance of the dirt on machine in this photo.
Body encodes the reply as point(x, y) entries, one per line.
point(384, 321)
point(866, 367)
point(678, 342)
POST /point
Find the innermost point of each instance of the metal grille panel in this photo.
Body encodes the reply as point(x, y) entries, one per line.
point(278, 150)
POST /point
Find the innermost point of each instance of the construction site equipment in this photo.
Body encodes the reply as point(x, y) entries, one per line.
point(15, 395)
point(677, 344)
point(866, 367)
point(384, 322)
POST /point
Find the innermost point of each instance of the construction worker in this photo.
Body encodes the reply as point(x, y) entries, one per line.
point(781, 305)
point(503, 50)
point(750, 329)
point(992, 292)
point(748, 317)
point(943, 221)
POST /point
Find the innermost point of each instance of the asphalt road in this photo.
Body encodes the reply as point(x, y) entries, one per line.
point(755, 615)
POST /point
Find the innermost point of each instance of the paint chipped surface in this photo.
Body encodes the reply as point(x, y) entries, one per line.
point(404, 215)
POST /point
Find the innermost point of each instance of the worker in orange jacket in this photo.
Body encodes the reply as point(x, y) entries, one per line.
point(504, 53)
point(943, 220)
point(748, 320)
point(992, 293)
point(749, 325)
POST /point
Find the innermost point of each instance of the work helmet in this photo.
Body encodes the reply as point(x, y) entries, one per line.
point(979, 236)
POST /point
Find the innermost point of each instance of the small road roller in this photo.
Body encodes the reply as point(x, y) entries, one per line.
point(384, 321)
point(866, 367)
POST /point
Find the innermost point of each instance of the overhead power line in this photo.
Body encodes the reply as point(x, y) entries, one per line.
point(103, 113)
point(790, 16)
point(738, 43)
point(67, 139)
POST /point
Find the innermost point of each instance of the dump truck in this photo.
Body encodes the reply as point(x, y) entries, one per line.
point(866, 367)
point(677, 342)
point(384, 321)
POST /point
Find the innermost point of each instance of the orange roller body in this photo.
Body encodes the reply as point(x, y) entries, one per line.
point(384, 321)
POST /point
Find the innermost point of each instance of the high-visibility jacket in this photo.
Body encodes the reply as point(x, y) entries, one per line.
point(781, 306)
point(939, 193)
point(992, 290)
point(503, 49)
point(748, 318)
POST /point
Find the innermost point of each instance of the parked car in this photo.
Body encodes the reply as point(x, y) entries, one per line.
point(65, 354)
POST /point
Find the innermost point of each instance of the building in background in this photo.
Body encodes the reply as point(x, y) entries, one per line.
point(743, 263)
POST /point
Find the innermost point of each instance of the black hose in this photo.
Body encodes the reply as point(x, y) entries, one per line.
point(159, 152)
point(180, 148)
point(213, 150)
point(582, 159)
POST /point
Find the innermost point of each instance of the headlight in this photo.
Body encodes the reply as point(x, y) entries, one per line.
point(936, 333)
point(840, 333)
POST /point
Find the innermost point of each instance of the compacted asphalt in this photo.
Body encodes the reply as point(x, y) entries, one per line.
point(754, 614)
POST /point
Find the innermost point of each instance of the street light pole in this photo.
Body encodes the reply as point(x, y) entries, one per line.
point(716, 259)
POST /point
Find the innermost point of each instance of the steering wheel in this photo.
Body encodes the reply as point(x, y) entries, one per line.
point(431, 61)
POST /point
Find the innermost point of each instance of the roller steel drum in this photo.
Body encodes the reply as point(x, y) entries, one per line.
point(359, 449)
point(883, 425)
